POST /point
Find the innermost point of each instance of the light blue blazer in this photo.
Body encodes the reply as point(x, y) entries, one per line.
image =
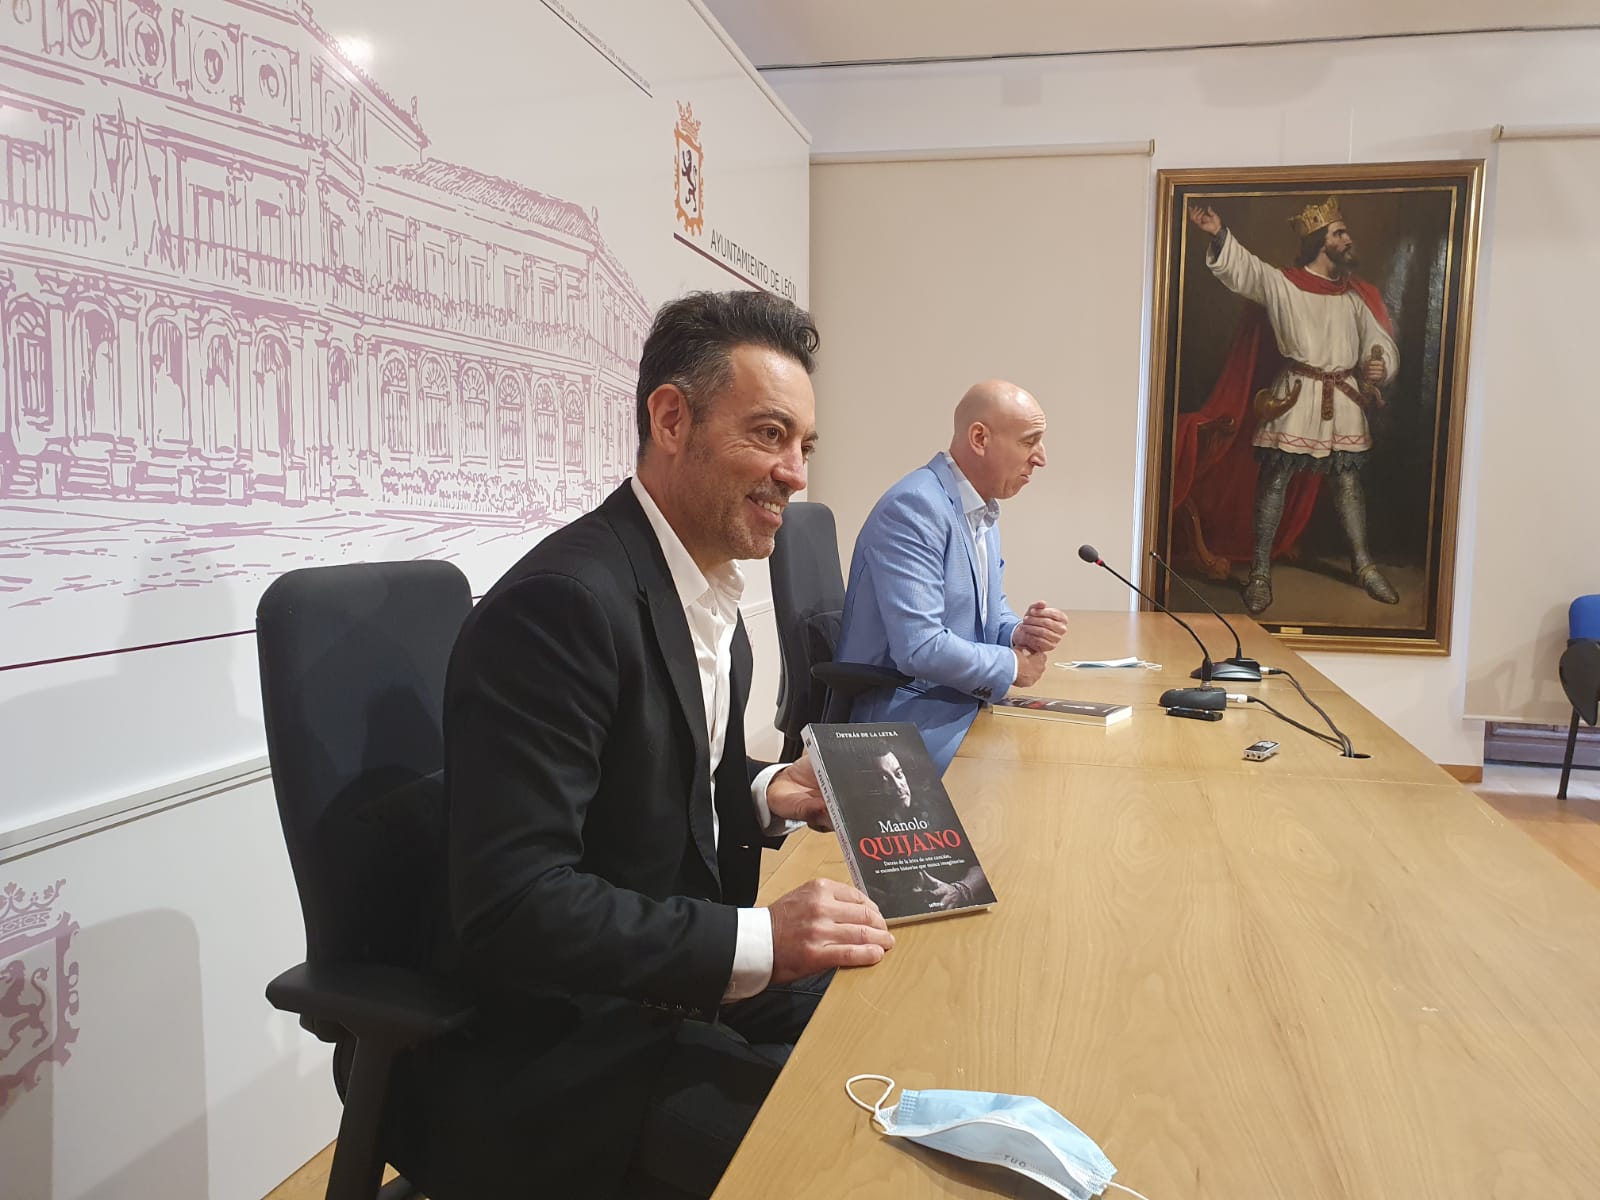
point(912, 604)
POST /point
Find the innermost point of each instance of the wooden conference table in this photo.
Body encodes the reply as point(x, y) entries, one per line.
point(1309, 977)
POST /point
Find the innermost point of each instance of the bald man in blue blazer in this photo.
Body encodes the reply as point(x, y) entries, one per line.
point(925, 594)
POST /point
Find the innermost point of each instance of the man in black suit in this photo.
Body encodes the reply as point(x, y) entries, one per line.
point(605, 824)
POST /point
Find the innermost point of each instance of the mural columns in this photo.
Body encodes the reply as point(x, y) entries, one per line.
point(491, 421)
point(128, 397)
point(317, 396)
point(194, 378)
point(456, 414)
point(594, 428)
point(366, 385)
point(53, 458)
point(10, 395)
point(295, 446)
point(297, 241)
point(246, 395)
point(142, 397)
point(236, 220)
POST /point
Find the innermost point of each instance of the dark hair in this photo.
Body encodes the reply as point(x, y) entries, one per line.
point(1311, 245)
point(693, 337)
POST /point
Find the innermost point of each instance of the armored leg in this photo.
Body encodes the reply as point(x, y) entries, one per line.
point(1271, 486)
point(1351, 504)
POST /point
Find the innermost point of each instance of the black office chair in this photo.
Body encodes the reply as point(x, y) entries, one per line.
point(352, 686)
point(1580, 679)
point(807, 604)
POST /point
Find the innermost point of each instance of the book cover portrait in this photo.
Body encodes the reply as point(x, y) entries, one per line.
point(903, 841)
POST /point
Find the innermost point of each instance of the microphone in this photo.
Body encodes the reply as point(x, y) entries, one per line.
point(1203, 697)
point(1237, 669)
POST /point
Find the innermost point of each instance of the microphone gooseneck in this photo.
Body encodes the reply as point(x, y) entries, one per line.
point(1090, 555)
point(1237, 669)
point(1238, 646)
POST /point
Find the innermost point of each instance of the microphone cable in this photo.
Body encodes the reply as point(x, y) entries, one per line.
point(1286, 718)
point(1346, 749)
point(1339, 740)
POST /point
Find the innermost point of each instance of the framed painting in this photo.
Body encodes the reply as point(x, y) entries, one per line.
point(1308, 369)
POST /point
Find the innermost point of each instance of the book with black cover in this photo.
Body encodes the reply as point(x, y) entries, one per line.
point(1048, 708)
point(903, 842)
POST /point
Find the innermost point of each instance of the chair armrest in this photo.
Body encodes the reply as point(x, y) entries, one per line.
point(851, 679)
point(393, 1004)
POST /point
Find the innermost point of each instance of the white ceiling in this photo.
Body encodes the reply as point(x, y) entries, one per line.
point(808, 32)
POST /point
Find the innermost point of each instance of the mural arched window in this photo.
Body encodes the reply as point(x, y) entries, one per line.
point(95, 365)
point(274, 400)
point(30, 364)
point(509, 398)
point(572, 431)
point(222, 407)
point(546, 427)
point(435, 407)
point(168, 400)
point(341, 402)
point(395, 394)
point(474, 414)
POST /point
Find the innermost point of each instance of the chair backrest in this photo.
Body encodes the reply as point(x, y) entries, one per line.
point(1580, 678)
point(807, 600)
point(1583, 619)
point(353, 663)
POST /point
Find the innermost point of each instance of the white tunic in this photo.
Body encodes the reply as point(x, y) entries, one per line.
point(1327, 333)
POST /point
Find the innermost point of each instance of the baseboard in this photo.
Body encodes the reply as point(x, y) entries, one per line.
point(1544, 745)
point(1462, 773)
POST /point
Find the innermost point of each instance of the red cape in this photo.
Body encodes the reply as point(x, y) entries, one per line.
point(1214, 471)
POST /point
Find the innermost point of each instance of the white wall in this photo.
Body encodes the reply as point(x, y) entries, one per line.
point(1012, 302)
point(182, 1083)
point(1542, 520)
point(1414, 98)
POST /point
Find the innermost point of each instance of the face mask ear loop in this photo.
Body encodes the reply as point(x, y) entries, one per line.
point(876, 1108)
point(1129, 1190)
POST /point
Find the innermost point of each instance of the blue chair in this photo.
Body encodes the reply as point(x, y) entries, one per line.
point(1580, 674)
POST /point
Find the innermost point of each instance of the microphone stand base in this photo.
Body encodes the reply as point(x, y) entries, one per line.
point(1207, 697)
point(1232, 670)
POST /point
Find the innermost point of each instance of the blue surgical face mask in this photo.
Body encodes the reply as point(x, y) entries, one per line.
point(1018, 1132)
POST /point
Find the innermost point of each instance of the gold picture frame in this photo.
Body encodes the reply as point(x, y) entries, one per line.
point(1266, 445)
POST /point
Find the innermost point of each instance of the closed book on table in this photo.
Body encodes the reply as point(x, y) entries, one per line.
point(903, 843)
point(1047, 708)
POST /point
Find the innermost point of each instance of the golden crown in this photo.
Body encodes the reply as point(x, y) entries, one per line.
point(688, 124)
point(1316, 216)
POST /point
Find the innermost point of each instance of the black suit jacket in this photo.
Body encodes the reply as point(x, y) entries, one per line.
point(591, 904)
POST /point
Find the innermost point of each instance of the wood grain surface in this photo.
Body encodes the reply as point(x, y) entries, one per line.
point(1285, 979)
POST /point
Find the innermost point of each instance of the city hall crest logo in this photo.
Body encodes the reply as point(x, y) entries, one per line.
point(38, 987)
point(689, 171)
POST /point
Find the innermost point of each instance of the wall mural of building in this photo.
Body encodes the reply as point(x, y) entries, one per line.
point(232, 278)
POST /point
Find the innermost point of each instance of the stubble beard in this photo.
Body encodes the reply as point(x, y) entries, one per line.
point(1344, 261)
point(729, 520)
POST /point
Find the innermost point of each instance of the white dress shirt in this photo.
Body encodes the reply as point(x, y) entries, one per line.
point(982, 515)
point(711, 607)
